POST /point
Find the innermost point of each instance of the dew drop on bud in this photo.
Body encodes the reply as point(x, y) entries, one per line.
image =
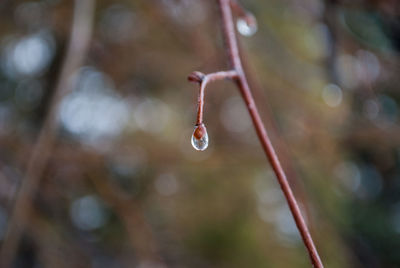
point(200, 138)
point(246, 26)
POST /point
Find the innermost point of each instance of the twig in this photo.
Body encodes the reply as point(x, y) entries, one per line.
point(241, 81)
point(77, 48)
point(204, 80)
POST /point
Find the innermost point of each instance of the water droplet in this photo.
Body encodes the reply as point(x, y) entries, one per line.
point(200, 138)
point(246, 26)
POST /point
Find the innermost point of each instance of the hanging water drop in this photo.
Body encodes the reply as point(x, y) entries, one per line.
point(200, 138)
point(246, 26)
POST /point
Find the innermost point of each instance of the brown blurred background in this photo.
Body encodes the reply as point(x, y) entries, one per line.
point(124, 188)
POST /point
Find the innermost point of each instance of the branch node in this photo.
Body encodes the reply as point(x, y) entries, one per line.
point(196, 77)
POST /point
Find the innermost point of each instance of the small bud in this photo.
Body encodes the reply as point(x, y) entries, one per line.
point(200, 138)
point(199, 131)
point(196, 77)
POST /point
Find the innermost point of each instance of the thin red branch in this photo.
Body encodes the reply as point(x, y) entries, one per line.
point(130, 212)
point(233, 52)
point(226, 7)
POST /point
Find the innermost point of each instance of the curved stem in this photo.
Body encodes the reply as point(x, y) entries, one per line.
point(234, 57)
point(204, 80)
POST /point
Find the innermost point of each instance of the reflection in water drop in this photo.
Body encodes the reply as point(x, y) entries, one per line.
point(200, 138)
point(246, 28)
point(187, 148)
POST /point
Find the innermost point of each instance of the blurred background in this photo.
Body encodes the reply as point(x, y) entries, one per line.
point(123, 186)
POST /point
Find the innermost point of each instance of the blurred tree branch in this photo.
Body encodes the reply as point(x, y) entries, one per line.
point(131, 214)
point(77, 48)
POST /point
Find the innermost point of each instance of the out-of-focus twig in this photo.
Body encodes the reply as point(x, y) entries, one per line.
point(77, 48)
point(130, 213)
point(54, 250)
